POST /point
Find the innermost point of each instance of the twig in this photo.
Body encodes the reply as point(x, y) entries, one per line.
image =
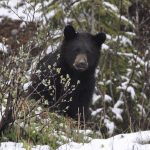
point(47, 22)
point(26, 133)
point(92, 18)
point(70, 7)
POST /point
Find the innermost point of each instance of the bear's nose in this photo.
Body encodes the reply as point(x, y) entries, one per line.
point(81, 64)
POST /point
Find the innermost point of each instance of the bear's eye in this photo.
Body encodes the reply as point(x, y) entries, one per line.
point(88, 53)
point(76, 50)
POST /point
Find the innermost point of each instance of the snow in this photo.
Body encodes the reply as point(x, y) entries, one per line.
point(3, 109)
point(101, 83)
point(25, 12)
point(129, 71)
point(17, 13)
point(26, 85)
point(19, 146)
point(141, 109)
point(108, 36)
point(110, 125)
point(95, 98)
point(85, 132)
point(96, 111)
point(127, 20)
point(104, 46)
point(67, 20)
point(128, 141)
point(107, 98)
point(118, 111)
point(130, 89)
point(65, 138)
point(22, 24)
point(3, 48)
point(131, 33)
point(96, 72)
point(119, 142)
point(108, 82)
point(38, 111)
point(112, 6)
point(138, 59)
point(140, 62)
point(49, 49)
point(126, 54)
point(143, 95)
point(146, 52)
point(76, 2)
point(118, 103)
point(124, 86)
point(123, 39)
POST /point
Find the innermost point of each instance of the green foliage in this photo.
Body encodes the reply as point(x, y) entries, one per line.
point(122, 78)
point(27, 146)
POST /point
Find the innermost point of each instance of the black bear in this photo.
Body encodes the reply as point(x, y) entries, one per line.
point(75, 61)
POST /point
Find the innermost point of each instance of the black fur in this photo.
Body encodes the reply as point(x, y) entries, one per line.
point(74, 44)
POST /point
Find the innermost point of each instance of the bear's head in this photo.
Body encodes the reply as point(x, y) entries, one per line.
point(81, 50)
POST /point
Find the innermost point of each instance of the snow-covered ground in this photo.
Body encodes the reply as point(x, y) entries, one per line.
point(130, 141)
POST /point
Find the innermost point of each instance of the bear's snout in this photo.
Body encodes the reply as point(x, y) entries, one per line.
point(80, 62)
point(81, 65)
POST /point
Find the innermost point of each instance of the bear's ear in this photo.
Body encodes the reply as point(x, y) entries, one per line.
point(69, 32)
point(100, 38)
